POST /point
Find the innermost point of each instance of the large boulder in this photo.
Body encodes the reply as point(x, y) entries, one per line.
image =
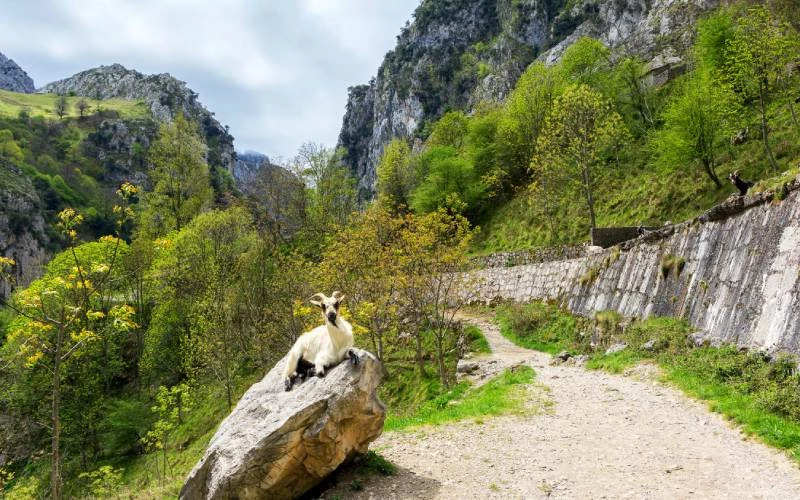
point(278, 444)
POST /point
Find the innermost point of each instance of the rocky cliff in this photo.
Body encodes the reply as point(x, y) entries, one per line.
point(457, 53)
point(23, 232)
point(14, 78)
point(733, 273)
point(164, 94)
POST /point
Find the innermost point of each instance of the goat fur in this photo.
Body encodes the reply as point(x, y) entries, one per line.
point(323, 347)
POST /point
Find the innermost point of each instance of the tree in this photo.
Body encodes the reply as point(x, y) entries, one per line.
point(525, 113)
point(696, 120)
point(82, 105)
point(9, 149)
point(757, 53)
point(395, 175)
point(576, 137)
point(450, 182)
point(60, 107)
point(170, 403)
point(181, 185)
point(66, 312)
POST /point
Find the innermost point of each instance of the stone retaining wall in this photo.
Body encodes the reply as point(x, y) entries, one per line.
point(732, 272)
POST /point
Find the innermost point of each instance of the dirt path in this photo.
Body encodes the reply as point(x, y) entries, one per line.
point(607, 436)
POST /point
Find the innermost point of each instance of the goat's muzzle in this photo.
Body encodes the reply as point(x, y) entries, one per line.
point(332, 317)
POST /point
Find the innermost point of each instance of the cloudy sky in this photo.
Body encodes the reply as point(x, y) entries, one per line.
point(275, 71)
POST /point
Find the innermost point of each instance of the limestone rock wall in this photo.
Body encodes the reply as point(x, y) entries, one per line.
point(739, 282)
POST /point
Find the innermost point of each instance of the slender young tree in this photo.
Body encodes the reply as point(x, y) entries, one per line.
point(576, 140)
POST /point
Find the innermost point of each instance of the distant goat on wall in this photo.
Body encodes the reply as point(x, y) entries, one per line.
point(323, 347)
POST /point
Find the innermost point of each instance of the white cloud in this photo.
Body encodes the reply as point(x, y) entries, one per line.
point(275, 71)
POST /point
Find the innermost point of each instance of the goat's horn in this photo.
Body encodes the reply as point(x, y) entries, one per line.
point(339, 296)
point(317, 298)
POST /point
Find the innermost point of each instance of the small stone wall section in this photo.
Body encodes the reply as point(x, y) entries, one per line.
point(740, 282)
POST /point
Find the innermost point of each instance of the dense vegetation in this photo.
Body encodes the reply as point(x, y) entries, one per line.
point(751, 388)
point(593, 141)
point(174, 293)
point(107, 356)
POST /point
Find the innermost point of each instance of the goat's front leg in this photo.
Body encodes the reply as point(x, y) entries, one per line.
point(319, 367)
point(354, 360)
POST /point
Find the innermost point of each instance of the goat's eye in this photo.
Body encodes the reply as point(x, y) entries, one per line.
point(336, 306)
point(322, 306)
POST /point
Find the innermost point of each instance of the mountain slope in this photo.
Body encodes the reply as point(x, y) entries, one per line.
point(14, 78)
point(458, 53)
point(163, 94)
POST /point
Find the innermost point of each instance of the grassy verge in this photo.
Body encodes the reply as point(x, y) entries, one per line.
point(759, 393)
point(503, 394)
point(539, 326)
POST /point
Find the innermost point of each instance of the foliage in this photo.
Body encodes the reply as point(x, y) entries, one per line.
point(577, 138)
point(539, 326)
point(181, 185)
point(697, 121)
point(395, 176)
point(42, 105)
point(170, 404)
point(102, 482)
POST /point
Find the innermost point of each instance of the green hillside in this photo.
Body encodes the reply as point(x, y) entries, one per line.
point(43, 105)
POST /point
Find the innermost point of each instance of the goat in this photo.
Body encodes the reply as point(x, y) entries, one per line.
point(323, 347)
point(742, 185)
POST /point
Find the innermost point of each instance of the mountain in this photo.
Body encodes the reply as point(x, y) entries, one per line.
point(14, 78)
point(164, 95)
point(457, 53)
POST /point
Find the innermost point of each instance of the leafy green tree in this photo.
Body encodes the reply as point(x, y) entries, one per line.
point(758, 52)
point(181, 186)
point(9, 149)
point(576, 140)
point(696, 120)
point(525, 114)
point(69, 318)
point(449, 130)
point(395, 175)
point(171, 402)
point(451, 182)
point(588, 62)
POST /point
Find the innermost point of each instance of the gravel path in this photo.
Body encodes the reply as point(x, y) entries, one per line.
point(606, 436)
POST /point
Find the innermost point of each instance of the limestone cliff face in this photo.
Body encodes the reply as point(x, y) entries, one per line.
point(14, 78)
point(740, 281)
point(23, 233)
point(164, 94)
point(457, 53)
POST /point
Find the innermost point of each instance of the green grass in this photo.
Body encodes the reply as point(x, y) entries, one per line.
point(504, 394)
point(478, 343)
point(759, 394)
point(538, 326)
point(12, 103)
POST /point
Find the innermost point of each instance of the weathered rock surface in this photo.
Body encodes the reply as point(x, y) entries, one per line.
point(457, 54)
point(278, 444)
point(23, 235)
point(165, 95)
point(14, 78)
point(740, 284)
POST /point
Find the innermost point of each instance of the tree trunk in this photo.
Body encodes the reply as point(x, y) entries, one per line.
point(420, 360)
point(440, 359)
point(765, 127)
point(708, 166)
point(55, 466)
point(587, 186)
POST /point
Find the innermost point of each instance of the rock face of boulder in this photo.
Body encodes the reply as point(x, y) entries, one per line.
point(278, 444)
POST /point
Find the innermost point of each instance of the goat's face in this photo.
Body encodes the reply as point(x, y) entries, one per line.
point(329, 305)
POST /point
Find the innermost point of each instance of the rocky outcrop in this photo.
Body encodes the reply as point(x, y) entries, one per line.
point(23, 235)
point(278, 444)
point(733, 273)
point(458, 53)
point(14, 78)
point(165, 95)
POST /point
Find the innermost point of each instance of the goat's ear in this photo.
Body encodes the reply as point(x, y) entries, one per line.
point(338, 296)
point(317, 299)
